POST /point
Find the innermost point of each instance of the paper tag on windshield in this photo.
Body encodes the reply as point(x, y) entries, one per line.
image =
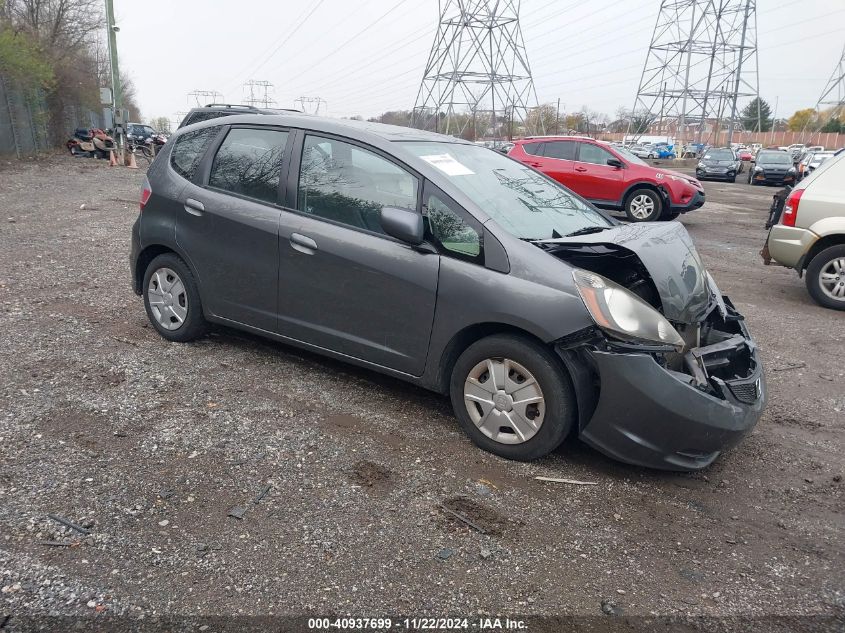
point(448, 165)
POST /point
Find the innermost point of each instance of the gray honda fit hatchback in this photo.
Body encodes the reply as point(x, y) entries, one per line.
point(453, 267)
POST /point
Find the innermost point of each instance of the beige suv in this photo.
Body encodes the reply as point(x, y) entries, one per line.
point(811, 234)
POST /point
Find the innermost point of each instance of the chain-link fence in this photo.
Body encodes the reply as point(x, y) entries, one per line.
point(25, 118)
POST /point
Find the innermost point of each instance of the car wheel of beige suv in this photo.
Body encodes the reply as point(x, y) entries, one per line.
point(826, 277)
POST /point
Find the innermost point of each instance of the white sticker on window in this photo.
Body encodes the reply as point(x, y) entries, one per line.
point(448, 165)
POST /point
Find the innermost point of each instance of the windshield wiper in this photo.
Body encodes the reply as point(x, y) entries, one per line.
point(587, 230)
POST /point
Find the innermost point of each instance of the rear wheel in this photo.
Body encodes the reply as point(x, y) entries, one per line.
point(825, 277)
point(172, 299)
point(512, 397)
point(643, 205)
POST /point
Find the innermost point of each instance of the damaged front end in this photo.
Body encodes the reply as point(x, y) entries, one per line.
point(673, 393)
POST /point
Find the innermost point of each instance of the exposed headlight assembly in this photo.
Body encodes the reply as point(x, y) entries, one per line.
point(622, 313)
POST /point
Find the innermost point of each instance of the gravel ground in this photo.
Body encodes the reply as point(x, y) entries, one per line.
point(343, 480)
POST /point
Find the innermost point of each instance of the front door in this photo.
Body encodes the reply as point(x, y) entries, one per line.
point(595, 179)
point(229, 226)
point(344, 285)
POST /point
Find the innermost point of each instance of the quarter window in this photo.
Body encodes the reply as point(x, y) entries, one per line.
point(450, 230)
point(189, 150)
point(532, 148)
point(589, 153)
point(248, 163)
point(346, 183)
point(564, 150)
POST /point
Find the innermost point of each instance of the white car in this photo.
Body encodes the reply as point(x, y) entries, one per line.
point(643, 151)
point(810, 235)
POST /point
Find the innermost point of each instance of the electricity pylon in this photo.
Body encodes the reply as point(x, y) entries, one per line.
point(702, 59)
point(833, 95)
point(259, 93)
point(477, 77)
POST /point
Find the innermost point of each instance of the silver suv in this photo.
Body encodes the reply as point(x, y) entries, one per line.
point(444, 264)
point(810, 236)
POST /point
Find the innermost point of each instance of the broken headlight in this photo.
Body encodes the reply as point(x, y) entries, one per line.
point(622, 313)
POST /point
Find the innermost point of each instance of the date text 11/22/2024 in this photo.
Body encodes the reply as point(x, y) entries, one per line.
point(415, 624)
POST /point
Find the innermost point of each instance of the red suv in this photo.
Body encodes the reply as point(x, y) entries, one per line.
point(611, 177)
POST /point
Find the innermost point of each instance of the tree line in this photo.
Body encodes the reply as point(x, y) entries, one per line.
point(56, 49)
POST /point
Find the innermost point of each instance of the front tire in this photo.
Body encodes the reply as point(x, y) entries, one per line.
point(825, 277)
point(643, 205)
point(512, 397)
point(172, 300)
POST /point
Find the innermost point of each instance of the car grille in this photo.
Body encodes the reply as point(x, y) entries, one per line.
point(747, 392)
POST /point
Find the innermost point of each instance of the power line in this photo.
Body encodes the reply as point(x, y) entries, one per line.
point(313, 65)
point(297, 25)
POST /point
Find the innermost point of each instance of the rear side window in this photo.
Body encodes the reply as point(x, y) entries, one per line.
point(346, 183)
point(203, 115)
point(532, 148)
point(564, 150)
point(188, 151)
point(249, 162)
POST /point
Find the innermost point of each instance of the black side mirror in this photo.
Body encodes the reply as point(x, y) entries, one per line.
point(403, 224)
point(615, 162)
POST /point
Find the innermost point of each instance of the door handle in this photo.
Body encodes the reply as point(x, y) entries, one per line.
point(580, 169)
point(194, 207)
point(533, 164)
point(303, 244)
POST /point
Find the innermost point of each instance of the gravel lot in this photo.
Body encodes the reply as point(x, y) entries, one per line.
point(342, 475)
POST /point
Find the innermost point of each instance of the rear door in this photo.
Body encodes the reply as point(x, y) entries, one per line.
point(229, 224)
point(344, 285)
point(594, 178)
point(559, 162)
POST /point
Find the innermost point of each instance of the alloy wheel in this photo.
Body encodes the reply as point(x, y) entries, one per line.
point(832, 279)
point(642, 207)
point(168, 299)
point(504, 400)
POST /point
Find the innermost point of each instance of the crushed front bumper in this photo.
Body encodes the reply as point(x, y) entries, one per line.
point(649, 415)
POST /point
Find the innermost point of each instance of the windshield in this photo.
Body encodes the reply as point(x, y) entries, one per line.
point(630, 156)
point(523, 201)
point(719, 154)
point(775, 158)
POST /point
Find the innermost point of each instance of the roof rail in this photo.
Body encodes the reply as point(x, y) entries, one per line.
point(230, 105)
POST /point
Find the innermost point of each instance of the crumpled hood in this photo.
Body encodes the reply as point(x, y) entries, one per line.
point(667, 252)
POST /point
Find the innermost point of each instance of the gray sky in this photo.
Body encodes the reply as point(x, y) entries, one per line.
point(585, 53)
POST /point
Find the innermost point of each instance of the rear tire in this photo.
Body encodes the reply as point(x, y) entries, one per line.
point(825, 277)
point(643, 205)
point(491, 405)
point(174, 309)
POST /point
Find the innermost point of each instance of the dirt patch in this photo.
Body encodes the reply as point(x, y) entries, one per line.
point(369, 474)
point(467, 513)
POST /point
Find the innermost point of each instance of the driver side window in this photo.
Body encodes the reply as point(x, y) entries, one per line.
point(346, 183)
point(589, 153)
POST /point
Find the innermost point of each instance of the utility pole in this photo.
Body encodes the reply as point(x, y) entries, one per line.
point(557, 118)
point(116, 92)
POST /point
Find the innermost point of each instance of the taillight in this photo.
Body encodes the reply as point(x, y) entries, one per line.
point(146, 192)
point(790, 208)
